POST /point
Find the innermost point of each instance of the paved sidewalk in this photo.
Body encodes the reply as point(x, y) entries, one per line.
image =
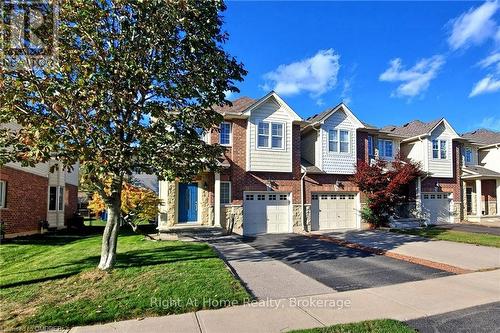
point(404, 301)
point(465, 256)
point(264, 276)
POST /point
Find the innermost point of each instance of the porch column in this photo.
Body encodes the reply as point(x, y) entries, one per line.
point(478, 198)
point(217, 200)
point(498, 196)
point(418, 196)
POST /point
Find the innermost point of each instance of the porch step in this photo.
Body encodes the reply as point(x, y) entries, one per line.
point(407, 223)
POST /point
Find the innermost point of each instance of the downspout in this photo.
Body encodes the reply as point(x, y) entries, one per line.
point(302, 215)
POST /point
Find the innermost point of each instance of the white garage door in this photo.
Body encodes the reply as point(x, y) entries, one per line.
point(333, 211)
point(436, 207)
point(266, 212)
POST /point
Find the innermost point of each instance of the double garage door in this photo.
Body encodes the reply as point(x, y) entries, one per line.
point(436, 207)
point(333, 211)
point(266, 212)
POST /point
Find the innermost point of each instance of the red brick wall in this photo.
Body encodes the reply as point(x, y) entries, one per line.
point(362, 146)
point(447, 184)
point(489, 189)
point(26, 202)
point(326, 183)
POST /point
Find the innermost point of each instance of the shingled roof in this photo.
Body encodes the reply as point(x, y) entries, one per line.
point(320, 116)
point(483, 136)
point(411, 129)
point(239, 106)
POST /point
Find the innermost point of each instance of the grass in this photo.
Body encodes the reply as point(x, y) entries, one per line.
point(455, 236)
point(370, 326)
point(52, 281)
point(94, 222)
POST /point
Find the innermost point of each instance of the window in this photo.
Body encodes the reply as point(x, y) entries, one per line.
point(56, 198)
point(249, 197)
point(277, 135)
point(468, 155)
point(385, 148)
point(439, 149)
point(333, 141)
point(272, 197)
point(370, 145)
point(225, 134)
point(3, 190)
point(225, 193)
point(338, 141)
point(270, 135)
point(344, 141)
point(52, 198)
point(261, 197)
point(283, 197)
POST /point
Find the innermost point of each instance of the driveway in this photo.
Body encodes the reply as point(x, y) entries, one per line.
point(338, 267)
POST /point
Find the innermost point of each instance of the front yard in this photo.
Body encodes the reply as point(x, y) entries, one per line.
point(52, 281)
point(370, 326)
point(455, 236)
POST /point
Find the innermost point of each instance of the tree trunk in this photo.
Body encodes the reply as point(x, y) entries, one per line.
point(110, 235)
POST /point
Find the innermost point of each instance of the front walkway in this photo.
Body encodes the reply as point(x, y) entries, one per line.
point(465, 256)
point(404, 301)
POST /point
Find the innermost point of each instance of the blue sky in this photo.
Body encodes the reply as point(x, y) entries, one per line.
point(390, 61)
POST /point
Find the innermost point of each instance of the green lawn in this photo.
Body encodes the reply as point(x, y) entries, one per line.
point(455, 236)
point(370, 326)
point(52, 281)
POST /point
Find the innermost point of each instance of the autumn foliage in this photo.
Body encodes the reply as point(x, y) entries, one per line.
point(384, 184)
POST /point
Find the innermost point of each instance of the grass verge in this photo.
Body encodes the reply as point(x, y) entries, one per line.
point(455, 236)
point(370, 326)
point(52, 281)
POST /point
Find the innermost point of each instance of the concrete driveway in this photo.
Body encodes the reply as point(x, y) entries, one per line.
point(338, 267)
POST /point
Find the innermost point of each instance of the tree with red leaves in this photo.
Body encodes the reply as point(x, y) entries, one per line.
point(384, 184)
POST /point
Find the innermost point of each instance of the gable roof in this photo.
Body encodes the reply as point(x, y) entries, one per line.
point(238, 106)
point(278, 99)
point(328, 112)
point(415, 128)
point(483, 136)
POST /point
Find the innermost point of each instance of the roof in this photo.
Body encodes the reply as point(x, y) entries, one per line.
point(477, 170)
point(238, 106)
point(320, 116)
point(328, 112)
point(411, 129)
point(309, 167)
point(483, 136)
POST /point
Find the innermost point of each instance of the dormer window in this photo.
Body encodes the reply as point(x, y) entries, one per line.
point(225, 134)
point(439, 149)
point(270, 135)
point(338, 141)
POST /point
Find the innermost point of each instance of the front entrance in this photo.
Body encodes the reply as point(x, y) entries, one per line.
point(188, 203)
point(468, 197)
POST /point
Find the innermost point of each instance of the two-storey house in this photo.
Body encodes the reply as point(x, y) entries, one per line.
point(481, 175)
point(258, 189)
point(436, 146)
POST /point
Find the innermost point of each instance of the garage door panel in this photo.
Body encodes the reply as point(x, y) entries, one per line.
point(333, 211)
point(436, 207)
point(266, 213)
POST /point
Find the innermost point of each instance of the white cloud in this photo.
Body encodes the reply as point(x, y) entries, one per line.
point(414, 80)
point(493, 60)
point(489, 84)
point(315, 75)
point(491, 123)
point(474, 26)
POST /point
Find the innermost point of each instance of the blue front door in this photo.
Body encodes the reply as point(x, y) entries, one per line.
point(188, 202)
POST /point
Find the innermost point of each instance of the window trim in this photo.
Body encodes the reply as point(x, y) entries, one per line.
point(230, 134)
point(439, 149)
point(230, 193)
point(337, 131)
point(270, 135)
point(59, 204)
point(384, 141)
point(3, 193)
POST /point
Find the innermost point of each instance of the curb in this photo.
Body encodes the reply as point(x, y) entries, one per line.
point(390, 254)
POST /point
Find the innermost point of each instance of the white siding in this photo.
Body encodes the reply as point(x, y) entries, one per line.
point(274, 160)
point(339, 163)
point(441, 167)
point(308, 147)
point(490, 158)
point(413, 151)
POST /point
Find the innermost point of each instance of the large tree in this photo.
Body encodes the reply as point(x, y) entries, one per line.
point(133, 85)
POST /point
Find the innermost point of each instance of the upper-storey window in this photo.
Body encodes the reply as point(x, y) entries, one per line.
point(370, 145)
point(3, 186)
point(468, 155)
point(270, 135)
point(225, 134)
point(338, 141)
point(385, 148)
point(439, 149)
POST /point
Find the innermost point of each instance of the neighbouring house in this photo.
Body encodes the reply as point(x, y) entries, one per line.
point(481, 175)
point(331, 144)
point(436, 196)
point(32, 195)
